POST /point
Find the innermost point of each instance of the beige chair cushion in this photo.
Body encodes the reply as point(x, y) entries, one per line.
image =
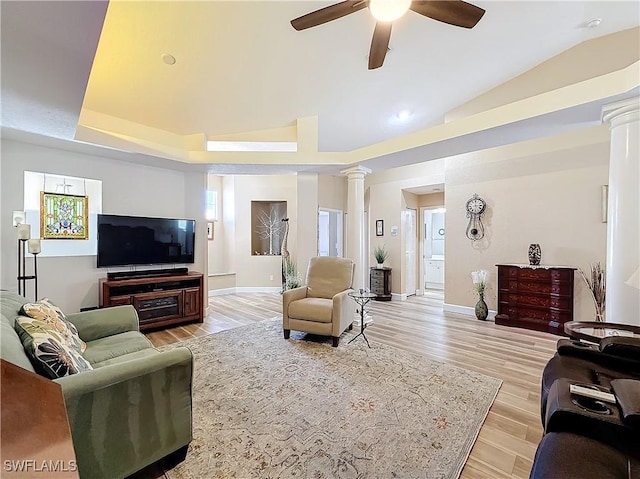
point(328, 276)
point(312, 309)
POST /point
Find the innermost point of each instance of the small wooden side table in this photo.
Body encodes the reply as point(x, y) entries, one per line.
point(36, 438)
point(380, 281)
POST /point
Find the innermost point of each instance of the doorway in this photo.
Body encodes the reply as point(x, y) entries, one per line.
point(330, 232)
point(410, 241)
point(433, 252)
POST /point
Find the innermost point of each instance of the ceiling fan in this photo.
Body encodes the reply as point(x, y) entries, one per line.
point(453, 12)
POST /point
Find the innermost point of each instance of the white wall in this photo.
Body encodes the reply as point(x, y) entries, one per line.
point(386, 201)
point(252, 270)
point(536, 192)
point(217, 246)
point(127, 188)
point(544, 191)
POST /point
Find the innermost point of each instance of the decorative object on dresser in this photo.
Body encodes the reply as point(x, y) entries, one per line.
point(476, 208)
point(161, 299)
point(380, 283)
point(535, 297)
point(596, 282)
point(535, 254)
point(479, 279)
point(381, 254)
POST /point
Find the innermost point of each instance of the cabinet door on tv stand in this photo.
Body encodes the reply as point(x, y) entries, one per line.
point(191, 302)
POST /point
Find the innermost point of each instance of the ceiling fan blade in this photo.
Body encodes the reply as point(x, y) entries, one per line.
point(326, 14)
point(379, 44)
point(453, 12)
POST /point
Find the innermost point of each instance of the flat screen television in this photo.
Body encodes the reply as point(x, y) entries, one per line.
point(137, 240)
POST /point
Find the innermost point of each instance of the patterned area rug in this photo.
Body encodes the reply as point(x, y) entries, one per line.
point(266, 407)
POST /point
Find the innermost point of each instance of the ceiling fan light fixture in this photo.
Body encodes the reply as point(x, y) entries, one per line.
point(388, 10)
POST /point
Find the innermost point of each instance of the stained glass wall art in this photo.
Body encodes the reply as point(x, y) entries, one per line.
point(63, 216)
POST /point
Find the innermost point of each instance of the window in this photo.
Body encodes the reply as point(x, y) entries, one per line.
point(212, 205)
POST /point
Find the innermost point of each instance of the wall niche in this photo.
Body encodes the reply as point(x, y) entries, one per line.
point(267, 227)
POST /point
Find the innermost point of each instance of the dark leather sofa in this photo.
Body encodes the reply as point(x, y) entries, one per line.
point(585, 438)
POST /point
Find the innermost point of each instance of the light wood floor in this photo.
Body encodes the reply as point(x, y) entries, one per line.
point(508, 439)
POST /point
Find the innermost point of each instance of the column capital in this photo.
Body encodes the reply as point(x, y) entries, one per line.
point(356, 171)
point(621, 112)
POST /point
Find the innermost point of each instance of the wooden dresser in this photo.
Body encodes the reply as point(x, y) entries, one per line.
point(380, 283)
point(535, 297)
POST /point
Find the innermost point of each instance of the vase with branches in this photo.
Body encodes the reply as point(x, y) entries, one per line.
point(480, 279)
point(596, 282)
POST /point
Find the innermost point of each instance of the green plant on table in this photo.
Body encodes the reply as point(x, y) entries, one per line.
point(380, 253)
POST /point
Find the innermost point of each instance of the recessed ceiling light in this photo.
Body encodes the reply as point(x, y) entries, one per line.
point(403, 115)
point(168, 59)
point(594, 23)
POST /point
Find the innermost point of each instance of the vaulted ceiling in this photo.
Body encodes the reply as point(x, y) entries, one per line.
point(97, 73)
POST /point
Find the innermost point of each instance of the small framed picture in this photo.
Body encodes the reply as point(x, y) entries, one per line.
point(210, 230)
point(379, 228)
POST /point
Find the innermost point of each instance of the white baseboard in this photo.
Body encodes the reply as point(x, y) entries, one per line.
point(221, 292)
point(245, 289)
point(466, 310)
point(399, 296)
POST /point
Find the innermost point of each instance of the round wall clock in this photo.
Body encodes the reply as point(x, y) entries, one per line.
point(475, 207)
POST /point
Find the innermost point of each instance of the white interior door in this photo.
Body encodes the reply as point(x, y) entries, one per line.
point(410, 241)
point(330, 232)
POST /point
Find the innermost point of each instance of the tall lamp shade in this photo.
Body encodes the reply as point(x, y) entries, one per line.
point(24, 231)
point(34, 246)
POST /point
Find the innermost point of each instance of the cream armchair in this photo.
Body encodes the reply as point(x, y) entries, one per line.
point(321, 306)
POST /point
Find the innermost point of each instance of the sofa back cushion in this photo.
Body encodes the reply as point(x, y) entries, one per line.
point(328, 276)
point(11, 347)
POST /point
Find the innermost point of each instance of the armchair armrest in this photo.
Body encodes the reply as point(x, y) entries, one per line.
point(100, 323)
point(127, 415)
point(344, 307)
point(289, 296)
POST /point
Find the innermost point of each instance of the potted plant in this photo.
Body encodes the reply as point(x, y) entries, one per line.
point(381, 254)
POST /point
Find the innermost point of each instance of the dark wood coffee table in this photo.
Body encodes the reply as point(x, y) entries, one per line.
point(594, 331)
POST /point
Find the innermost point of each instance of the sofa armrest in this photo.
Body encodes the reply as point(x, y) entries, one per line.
point(344, 307)
point(100, 323)
point(127, 415)
point(289, 296)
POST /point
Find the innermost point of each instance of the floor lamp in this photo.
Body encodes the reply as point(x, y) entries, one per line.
point(25, 243)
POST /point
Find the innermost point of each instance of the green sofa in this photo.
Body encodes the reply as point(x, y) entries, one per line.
point(133, 408)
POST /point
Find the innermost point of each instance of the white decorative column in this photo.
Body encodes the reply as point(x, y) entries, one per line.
point(623, 214)
point(355, 222)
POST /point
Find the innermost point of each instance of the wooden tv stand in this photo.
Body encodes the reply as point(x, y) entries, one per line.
point(159, 300)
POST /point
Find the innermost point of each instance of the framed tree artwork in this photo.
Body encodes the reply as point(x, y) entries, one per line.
point(379, 228)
